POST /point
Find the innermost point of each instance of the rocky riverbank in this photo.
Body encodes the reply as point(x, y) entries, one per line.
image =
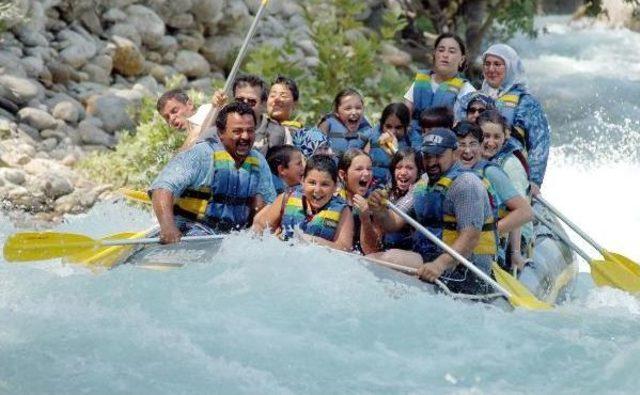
point(73, 73)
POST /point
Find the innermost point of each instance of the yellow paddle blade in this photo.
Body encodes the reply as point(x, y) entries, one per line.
point(622, 260)
point(107, 256)
point(612, 274)
point(520, 295)
point(138, 196)
point(39, 246)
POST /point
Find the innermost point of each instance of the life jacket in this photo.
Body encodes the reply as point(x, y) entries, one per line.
point(512, 147)
point(402, 239)
point(322, 224)
point(497, 205)
point(507, 104)
point(227, 202)
point(429, 208)
point(444, 96)
point(381, 159)
point(341, 139)
point(424, 97)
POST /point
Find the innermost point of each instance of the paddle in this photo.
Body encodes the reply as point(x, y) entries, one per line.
point(37, 246)
point(512, 289)
point(234, 70)
point(615, 270)
point(604, 272)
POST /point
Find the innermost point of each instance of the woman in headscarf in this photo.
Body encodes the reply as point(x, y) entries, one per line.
point(505, 81)
point(470, 106)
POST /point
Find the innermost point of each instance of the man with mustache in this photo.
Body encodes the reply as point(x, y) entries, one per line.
point(454, 206)
point(222, 181)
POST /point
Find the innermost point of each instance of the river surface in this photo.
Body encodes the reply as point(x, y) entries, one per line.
point(259, 318)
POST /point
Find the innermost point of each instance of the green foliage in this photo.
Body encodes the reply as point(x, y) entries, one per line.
point(348, 56)
point(516, 17)
point(10, 14)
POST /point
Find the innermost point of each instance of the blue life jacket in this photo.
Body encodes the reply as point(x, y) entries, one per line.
point(322, 224)
point(381, 159)
point(512, 147)
point(402, 239)
point(497, 205)
point(507, 104)
point(341, 139)
point(424, 97)
point(227, 203)
point(429, 209)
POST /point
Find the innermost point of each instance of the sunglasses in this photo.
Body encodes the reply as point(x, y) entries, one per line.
point(473, 110)
point(249, 101)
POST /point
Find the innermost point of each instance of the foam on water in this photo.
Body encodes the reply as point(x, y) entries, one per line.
point(261, 317)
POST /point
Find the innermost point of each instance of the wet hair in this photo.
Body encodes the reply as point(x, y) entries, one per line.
point(349, 155)
point(493, 116)
point(436, 117)
point(252, 81)
point(344, 93)
point(465, 128)
point(463, 48)
point(235, 107)
point(400, 110)
point(290, 84)
point(176, 94)
point(323, 163)
point(280, 156)
point(399, 156)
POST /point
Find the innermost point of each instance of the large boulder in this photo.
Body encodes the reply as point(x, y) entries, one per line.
point(37, 118)
point(11, 64)
point(77, 48)
point(127, 58)
point(66, 111)
point(217, 50)
point(112, 110)
point(20, 90)
point(148, 23)
point(208, 11)
point(126, 30)
point(191, 64)
point(93, 135)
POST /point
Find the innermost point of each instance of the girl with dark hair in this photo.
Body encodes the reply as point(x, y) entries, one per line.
point(356, 175)
point(406, 168)
point(346, 127)
point(391, 134)
point(445, 84)
point(322, 217)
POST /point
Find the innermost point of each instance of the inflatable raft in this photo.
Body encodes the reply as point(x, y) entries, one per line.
point(549, 276)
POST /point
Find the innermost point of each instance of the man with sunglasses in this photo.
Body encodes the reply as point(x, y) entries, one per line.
point(472, 105)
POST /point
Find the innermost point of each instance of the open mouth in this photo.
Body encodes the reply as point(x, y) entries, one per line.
point(353, 124)
point(403, 182)
point(467, 159)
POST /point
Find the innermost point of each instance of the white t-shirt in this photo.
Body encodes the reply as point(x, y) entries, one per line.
point(201, 113)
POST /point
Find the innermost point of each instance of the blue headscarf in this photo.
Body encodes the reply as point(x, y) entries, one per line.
point(514, 68)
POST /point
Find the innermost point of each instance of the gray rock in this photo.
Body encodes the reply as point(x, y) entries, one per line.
point(167, 44)
point(57, 98)
point(104, 61)
point(192, 41)
point(57, 134)
point(204, 85)
point(191, 64)
point(48, 144)
point(181, 21)
point(47, 54)
point(155, 57)
point(97, 74)
point(127, 59)
point(114, 15)
point(34, 66)
point(11, 64)
point(112, 110)
point(21, 8)
point(91, 21)
point(66, 111)
point(54, 185)
point(395, 57)
point(29, 131)
point(37, 118)
point(77, 48)
point(148, 24)
point(126, 30)
point(208, 11)
point(218, 50)
point(91, 134)
point(14, 176)
point(30, 37)
point(147, 85)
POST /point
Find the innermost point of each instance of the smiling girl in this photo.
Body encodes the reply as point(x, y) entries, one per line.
point(346, 127)
point(322, 217)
